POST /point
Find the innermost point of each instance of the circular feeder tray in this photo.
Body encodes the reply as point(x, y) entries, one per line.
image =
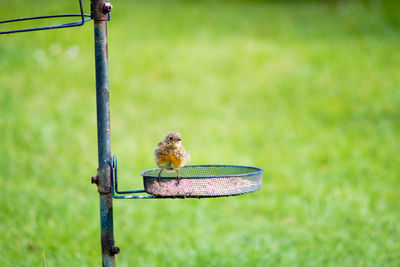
point(199, 181)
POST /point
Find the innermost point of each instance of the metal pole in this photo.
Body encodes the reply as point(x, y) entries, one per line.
point(100, 14)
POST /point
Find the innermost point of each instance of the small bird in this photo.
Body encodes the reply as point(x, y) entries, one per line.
point(170, 154)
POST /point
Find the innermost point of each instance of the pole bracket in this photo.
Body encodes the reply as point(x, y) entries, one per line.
point(100, 10)
point(104, 180)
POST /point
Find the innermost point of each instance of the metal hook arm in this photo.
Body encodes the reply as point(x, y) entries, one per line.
point(114, 185)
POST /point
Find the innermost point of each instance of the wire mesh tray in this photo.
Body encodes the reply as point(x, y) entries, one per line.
point(199, 181)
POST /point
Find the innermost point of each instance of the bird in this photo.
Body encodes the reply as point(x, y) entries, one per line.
point(170, 155)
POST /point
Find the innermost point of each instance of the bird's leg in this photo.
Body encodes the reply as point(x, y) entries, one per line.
point(177, 176)
point(159, 178)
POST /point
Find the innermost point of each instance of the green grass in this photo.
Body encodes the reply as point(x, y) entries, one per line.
point(308, 91)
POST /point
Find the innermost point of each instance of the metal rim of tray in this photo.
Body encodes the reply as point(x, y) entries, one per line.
point(255, 172)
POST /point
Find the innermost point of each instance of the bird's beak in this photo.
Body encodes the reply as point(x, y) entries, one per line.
point(179, 139)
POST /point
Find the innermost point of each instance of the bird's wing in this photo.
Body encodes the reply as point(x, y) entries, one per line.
point(187, 157)
point(157, 151)
point(159, 147)
point(184, 154)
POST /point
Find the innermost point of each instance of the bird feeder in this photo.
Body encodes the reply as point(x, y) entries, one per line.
point(196, 181)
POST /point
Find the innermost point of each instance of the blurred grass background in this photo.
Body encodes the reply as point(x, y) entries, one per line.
point(308, 91)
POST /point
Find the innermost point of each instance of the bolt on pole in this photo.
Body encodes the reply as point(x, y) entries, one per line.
point(100, 14)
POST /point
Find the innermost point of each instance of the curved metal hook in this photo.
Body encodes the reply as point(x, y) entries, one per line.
point(64, 25)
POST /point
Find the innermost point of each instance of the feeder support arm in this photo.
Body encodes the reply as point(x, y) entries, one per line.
point(100, 14)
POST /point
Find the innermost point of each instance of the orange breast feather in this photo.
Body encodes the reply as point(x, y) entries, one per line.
point(170, 158)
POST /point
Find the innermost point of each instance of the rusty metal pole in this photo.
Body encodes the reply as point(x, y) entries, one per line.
point(100, 10)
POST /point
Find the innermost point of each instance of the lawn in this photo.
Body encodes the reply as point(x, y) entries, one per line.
point(307, 91)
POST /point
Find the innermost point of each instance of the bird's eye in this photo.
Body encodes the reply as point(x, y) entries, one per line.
point(170, 138)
